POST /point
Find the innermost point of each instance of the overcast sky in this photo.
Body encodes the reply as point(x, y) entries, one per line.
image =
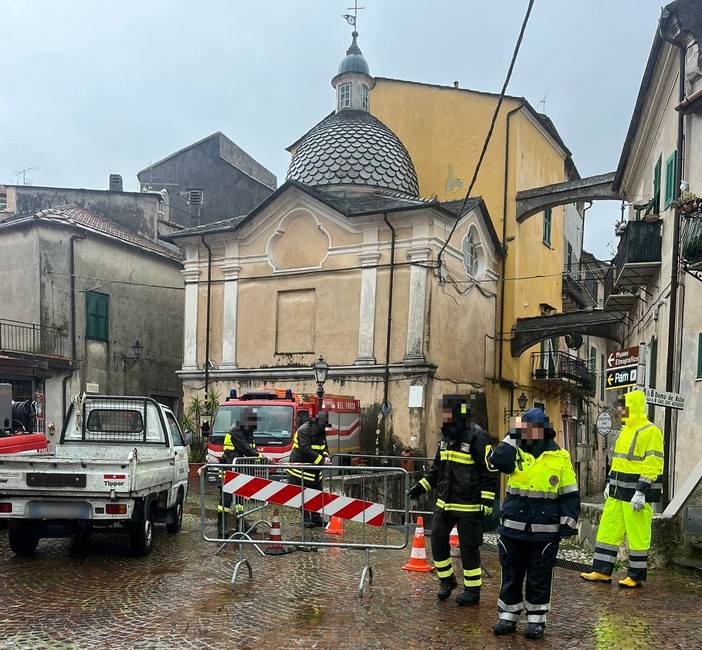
point(92, 87)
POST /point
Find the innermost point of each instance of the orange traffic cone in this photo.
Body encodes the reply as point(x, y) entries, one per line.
point(276, 548)
point(418, 557)
point(334, 527)
point(453, 541)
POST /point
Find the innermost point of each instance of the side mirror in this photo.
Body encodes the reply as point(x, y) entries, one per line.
point(188, 437)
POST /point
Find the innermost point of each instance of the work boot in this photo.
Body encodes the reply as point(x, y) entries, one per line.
point(447, 586)
point(595, 576)
point(470, 596)
point(504, 627)
point(629, 583)
point(534, 630)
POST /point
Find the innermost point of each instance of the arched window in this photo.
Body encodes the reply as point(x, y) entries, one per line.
point(472, 250)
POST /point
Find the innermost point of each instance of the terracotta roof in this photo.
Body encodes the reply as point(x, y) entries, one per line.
point(76, 215)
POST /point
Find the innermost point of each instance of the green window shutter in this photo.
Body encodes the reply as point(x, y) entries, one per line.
point(670, 166)
point(656, 200)
point(699, 356)
point(547, 226)
point(603, 374)
point(97, 312)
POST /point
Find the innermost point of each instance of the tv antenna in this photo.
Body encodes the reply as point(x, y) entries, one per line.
point(23, 174)
point(543, 101)
point(351, 18)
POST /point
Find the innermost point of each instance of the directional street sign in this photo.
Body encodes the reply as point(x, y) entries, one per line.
point(621, 378)
point(622, 358)
point(664, 398)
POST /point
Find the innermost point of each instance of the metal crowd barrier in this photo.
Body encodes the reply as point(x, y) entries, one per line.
point(365, 483)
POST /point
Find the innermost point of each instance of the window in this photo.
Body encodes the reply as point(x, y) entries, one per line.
point(655, 206)
point(603, 389)
point(470, 255)
point(547, 226)
point(97, 311)
point(344, 95)
point(569, 258)
point(364, 98)
point(670, 166)
point(699, 356)
point(593, 368)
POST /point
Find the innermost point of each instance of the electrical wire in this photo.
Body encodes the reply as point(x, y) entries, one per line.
point(490, 130)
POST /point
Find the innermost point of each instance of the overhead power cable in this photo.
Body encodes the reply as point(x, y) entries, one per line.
point(490, 130)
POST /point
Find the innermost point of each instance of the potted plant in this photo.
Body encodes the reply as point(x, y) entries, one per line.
point(687, 203)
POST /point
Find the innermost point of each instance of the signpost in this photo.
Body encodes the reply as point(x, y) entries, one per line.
point(622, 368)
point(664, 398)
point(604, 423)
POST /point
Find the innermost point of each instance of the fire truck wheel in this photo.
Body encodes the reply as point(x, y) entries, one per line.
point(23, 541)
point(142, 536)
point(177, 512)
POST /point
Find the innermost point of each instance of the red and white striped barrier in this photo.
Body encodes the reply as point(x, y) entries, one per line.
point(282, 494)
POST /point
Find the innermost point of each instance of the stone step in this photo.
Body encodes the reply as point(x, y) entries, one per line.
point(689, 563)
point(696, 550)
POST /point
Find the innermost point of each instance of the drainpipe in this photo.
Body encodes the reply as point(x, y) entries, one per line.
point(207, 326)
point(504, 242)
point(72, 273)
point(674, 270)
point(386, 381)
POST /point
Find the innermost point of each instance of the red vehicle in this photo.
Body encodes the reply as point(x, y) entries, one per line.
point(280, 413)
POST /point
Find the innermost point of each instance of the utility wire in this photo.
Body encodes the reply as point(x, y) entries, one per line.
point(490, 130)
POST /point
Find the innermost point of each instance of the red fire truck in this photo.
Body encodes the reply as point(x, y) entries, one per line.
point(280, 412)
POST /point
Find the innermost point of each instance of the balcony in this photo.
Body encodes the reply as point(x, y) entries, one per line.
point(564, 370)
point(691, 241)
point(579, 290)
point(637, 260)
point(26, 338)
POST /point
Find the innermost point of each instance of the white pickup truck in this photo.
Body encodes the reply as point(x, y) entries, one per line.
point(121, 464)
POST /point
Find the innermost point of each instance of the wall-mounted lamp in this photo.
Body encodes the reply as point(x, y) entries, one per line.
point(521, 402)
point(321, 369)
point(137, 349)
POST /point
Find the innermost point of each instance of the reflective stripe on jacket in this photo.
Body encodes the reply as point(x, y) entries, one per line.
point(542, 502)
point(309, 446)
point(463, 482)
point(637, 461)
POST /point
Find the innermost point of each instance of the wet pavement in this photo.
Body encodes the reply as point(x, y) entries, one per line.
point(180, 597)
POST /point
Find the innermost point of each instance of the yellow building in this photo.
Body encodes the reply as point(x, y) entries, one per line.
point(444, 129)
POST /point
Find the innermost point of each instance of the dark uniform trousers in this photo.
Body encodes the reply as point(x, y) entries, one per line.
point(315, 485)
point(535, 559)
point(470, 537)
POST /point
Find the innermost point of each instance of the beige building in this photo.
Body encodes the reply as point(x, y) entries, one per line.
point(341, 261)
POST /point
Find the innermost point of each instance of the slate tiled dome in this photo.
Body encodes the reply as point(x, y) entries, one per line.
point(351, 147)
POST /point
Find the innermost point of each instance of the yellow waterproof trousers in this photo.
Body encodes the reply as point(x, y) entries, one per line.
point(618, 519)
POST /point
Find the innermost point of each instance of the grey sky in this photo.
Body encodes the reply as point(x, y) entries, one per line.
point(95, 87)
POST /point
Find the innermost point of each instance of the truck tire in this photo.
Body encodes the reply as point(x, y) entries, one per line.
point(141, 536)
point(177, 512)
point(23, 541)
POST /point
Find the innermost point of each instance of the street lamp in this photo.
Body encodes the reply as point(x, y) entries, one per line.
point(522, 401)
point(321, 369)
point(137, 349)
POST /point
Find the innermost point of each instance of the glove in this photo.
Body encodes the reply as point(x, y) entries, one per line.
point(327, 460)
point(415, 492)
point(606, 492)
point(638, 501)
point(487, 511)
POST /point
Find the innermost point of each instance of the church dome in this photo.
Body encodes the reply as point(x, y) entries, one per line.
point(352, 147)
point(354, 61)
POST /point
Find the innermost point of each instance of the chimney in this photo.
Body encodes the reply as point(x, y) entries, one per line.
point(116, 183)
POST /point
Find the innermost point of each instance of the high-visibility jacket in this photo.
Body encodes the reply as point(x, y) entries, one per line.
point(637, 461)
point(463, 482)
point(238, 444)
point(542, 502)
point(309, 446)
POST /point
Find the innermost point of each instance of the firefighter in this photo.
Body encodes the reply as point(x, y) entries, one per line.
point(310, 446)
point(632, 487)
point(465, 493)
point(541, 507)
point(238, 443)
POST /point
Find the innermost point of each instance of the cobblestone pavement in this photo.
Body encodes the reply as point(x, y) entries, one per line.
point(180, 597)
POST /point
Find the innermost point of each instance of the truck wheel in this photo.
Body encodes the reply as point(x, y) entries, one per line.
point(177, 512)
point(142, 536)
point(23, 541)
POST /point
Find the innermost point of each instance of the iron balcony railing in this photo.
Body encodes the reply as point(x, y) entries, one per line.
point(580, 288)
point(640, 242)
point(691, 240)
point(28, 338)
point(563, 367)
